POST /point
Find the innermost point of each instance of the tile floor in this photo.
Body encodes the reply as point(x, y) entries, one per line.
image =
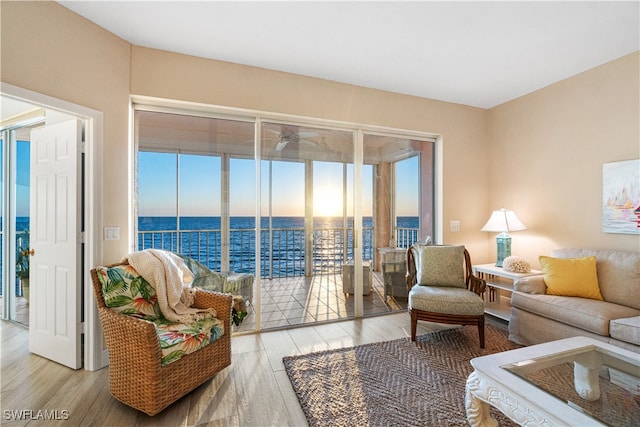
point(295, 301)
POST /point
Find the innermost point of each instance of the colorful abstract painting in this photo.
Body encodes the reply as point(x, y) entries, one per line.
point(621, 197)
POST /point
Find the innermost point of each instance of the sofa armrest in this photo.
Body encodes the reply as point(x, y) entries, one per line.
point(531, 285)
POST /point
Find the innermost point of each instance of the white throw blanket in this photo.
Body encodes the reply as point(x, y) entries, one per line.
point(166, 272)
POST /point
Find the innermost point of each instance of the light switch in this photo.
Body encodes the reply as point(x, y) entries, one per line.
point(455, 226)
point(112, 233)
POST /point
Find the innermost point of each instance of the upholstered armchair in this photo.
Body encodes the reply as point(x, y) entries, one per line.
point(152, 361)
point(443, 289)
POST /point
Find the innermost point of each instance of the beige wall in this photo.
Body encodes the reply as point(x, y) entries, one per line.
point(490, 156)
point(168, 75)
point(547, 151)
point(48, 49)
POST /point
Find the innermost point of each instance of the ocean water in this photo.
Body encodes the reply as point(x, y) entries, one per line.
point(282, 242)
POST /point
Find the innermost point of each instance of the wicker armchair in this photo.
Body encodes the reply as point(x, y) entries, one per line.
point(443, 289)
point(136, 375)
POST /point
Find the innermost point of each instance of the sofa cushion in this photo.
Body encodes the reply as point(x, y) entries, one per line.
point(618, 273)
point(445, 299)
point(126, 292)
point(439, 265)
point(627, 329)
point(571, 277)
point(588, 314)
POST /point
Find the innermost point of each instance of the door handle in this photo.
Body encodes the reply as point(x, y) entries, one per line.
point(31, 252)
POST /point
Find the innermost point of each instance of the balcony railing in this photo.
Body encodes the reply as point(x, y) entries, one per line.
point(22, 241)
point(282, 254)
point(406, 237)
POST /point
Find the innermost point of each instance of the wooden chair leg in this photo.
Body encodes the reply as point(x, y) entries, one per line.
point(414, 324)
point(481, 331)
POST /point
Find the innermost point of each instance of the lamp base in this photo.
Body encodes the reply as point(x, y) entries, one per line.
point(504, 247)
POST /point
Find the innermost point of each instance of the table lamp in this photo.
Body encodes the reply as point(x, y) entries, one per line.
point(503, 221)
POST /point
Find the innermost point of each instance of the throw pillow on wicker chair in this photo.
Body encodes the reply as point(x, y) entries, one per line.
point(126, 292)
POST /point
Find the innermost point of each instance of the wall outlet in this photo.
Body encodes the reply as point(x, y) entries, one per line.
point(112, 233)
point(454, 226)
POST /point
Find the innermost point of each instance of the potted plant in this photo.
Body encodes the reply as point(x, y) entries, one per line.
point(22, 270)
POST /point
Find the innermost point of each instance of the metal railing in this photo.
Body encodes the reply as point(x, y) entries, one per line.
point(22, 241)
point(283, 249)
point(406, 237)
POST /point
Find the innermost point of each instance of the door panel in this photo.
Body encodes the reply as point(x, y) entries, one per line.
point(54, 330)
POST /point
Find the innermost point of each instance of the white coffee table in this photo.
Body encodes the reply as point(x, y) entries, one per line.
point(499, 380)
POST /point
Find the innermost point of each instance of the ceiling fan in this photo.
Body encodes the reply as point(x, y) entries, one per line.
point(285, 137)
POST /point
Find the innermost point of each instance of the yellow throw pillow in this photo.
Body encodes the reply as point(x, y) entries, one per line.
point(571, 277)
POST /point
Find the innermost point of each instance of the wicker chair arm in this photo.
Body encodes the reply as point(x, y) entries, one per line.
point(219, 301)
point(126, 335)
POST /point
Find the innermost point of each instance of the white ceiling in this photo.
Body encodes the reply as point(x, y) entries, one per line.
point(475, 53)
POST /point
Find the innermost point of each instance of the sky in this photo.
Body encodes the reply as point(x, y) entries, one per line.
point(22, 171)
point(200, 184)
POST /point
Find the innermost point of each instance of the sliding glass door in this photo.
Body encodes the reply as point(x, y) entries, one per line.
point(16, 149)
point(308, 230)
point(295, 214)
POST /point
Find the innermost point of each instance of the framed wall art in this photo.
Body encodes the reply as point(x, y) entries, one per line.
point(621, 197)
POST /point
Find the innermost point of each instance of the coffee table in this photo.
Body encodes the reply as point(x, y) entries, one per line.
point(576, 381)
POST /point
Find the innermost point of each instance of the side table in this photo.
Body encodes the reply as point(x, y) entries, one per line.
point(499, 288)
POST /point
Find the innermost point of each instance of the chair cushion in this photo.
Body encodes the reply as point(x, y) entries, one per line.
point(445, 300)
point(126, 292)
point(179, 339)
point(439, 265)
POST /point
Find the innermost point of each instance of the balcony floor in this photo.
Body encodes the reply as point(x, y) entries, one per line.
point(297, 301)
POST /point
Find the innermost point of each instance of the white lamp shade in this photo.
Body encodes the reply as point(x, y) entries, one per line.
point(503, 221)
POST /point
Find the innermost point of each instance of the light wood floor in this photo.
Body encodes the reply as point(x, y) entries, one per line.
point(253, 391)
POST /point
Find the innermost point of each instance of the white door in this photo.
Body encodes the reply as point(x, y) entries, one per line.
point(55, 276)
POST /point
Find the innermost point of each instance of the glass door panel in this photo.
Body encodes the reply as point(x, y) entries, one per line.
point(403, 206)
point(16, 151)
point(196, 195)
point(306, 230)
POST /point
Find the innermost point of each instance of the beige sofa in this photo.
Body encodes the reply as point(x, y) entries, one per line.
point(537, 317)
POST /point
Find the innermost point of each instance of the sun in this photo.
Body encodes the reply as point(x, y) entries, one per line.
point(327, 203)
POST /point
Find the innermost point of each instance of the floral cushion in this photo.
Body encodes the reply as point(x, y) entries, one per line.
point(178, 339)
point(128, 293)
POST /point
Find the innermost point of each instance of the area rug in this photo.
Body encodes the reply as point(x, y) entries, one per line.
point(393, 383)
